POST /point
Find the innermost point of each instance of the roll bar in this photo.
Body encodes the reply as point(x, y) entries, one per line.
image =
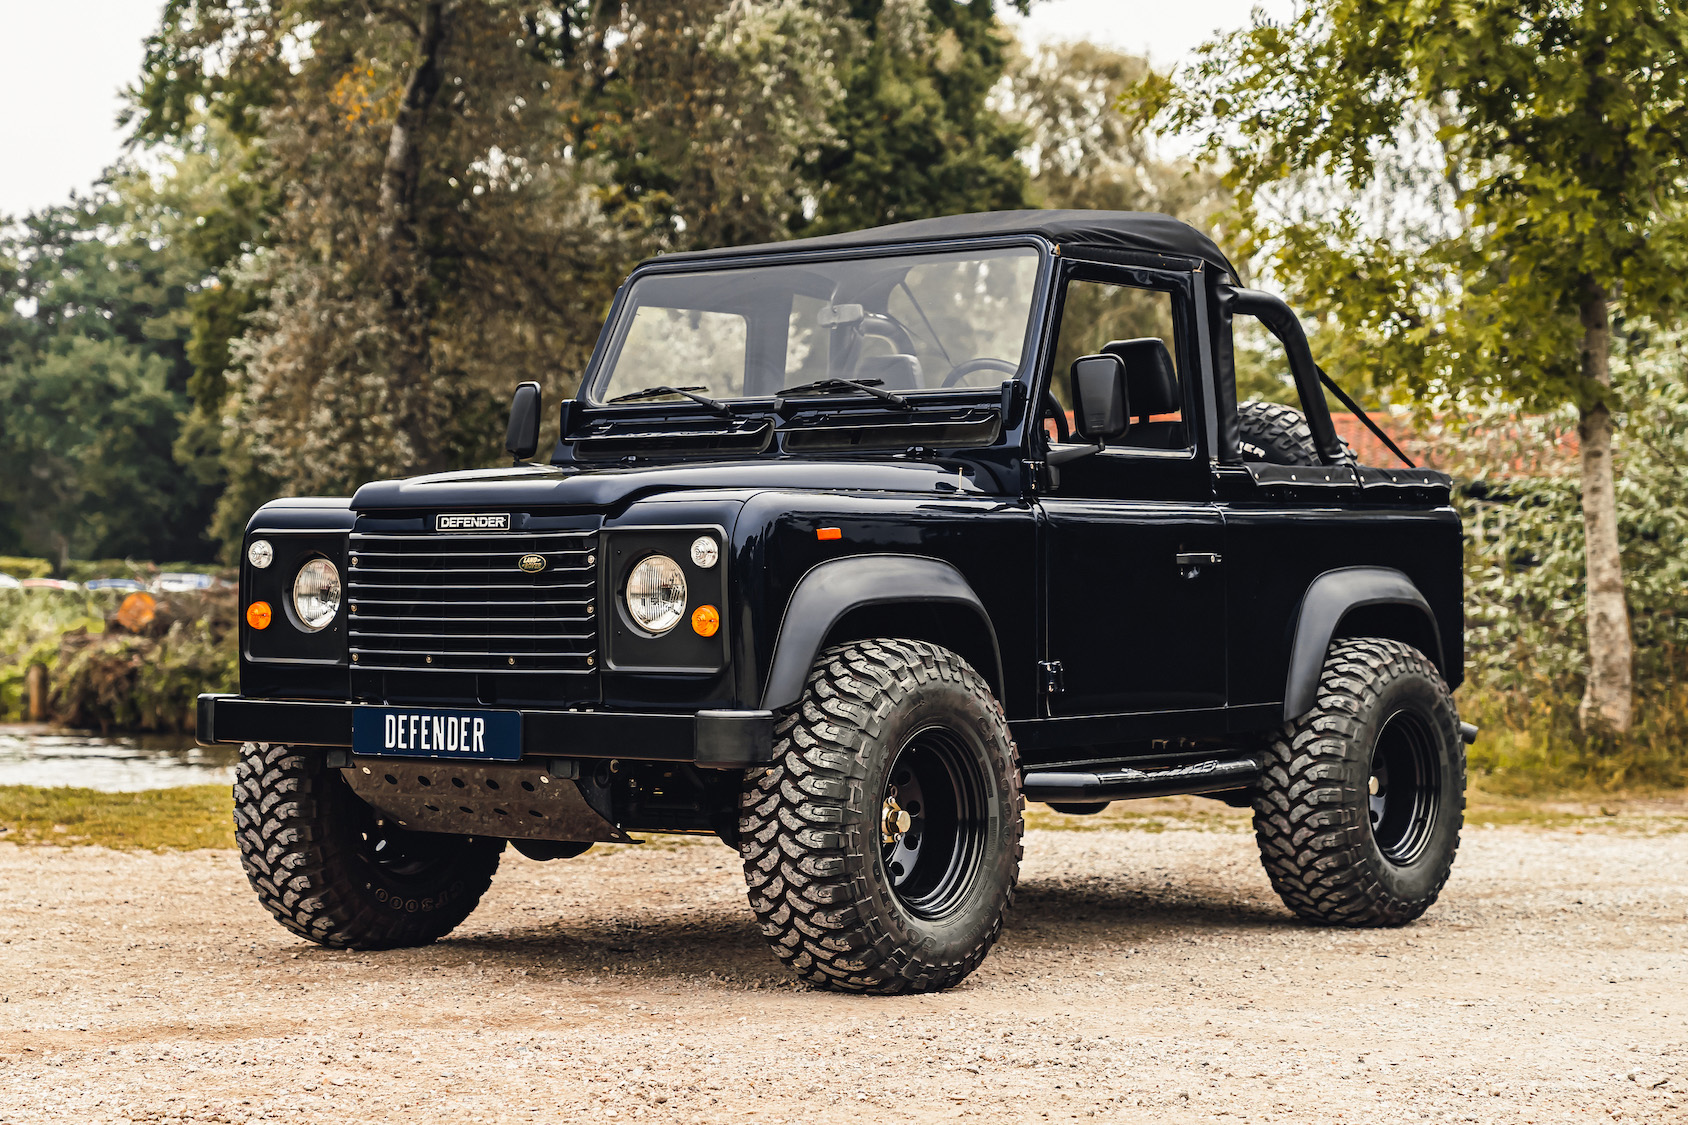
point(1282, 322)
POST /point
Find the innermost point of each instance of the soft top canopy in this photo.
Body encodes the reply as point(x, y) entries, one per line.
point(1140, 232)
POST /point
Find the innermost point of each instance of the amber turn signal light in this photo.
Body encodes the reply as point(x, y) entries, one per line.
point(258, 615)
point(705, 620)
point(828, 533)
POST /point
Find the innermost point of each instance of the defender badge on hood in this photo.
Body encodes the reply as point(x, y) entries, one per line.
point(480, 521)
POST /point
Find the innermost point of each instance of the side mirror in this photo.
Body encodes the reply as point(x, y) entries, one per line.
point(1101, 409)
point(522, 438)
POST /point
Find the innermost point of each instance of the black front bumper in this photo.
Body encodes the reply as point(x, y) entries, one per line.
point(720, 739)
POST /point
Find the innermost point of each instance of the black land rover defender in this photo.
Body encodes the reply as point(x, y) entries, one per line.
point(851, 546)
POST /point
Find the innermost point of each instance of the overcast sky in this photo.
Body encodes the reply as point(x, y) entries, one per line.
point(63, 63)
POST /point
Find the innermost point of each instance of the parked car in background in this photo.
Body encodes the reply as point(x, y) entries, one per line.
point(48, 584)
point(128, 584)
point(180, 583)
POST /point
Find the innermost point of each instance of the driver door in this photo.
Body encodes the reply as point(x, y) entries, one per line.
point(1132, 540)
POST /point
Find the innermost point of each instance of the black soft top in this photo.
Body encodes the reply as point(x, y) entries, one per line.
point(1128, 234)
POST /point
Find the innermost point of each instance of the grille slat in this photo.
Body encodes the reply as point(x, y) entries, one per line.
point(421, 584)
point(458, 602)
point(365, 553)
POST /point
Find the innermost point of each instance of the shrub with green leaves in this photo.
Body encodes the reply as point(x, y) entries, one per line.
point(1517, 488)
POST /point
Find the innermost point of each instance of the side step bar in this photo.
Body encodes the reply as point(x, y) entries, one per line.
point(1121, 783)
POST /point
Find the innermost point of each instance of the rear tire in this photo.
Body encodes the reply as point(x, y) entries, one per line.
point(332, 872)
point(1359, 812)
point(882, 846)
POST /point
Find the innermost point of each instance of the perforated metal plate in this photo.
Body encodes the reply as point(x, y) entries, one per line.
point(516, 802)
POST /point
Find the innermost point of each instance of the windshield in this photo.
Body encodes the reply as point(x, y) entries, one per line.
point(907, 323)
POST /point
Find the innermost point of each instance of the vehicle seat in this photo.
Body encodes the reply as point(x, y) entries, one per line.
point(1151, 386)
point(896, 372)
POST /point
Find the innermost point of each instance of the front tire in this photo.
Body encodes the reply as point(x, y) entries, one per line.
point(1359, 812)
point(882, 846)
point(333, 872)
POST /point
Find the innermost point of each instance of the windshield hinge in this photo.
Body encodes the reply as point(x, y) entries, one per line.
point(1054, 677)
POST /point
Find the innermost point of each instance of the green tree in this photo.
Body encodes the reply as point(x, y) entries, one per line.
point(1466, 187)
point(94, 333)
point(916, 133)
point(449, 194)
point(1081, 151)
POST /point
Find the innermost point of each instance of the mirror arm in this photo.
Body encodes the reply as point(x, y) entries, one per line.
point(1061, 454)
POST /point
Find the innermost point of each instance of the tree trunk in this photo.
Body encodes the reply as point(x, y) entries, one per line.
point(404, 270)
point(1606, 701)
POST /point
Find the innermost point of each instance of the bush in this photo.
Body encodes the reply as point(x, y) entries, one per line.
point(25, 568)
point(1517, 487)
point(104, 676)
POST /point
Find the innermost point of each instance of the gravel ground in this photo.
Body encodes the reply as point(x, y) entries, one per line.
point(1145, 976)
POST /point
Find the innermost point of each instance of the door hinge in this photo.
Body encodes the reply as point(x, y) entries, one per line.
point(1054, 681)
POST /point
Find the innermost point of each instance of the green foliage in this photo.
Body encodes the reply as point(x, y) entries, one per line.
point(1525, 614)
point(104, 677)
point(25, 568)
point(1519, 499)
point(915, 133)
point(1081, 151)
point(31, 623)
point(93, 379)
point(1445, 184)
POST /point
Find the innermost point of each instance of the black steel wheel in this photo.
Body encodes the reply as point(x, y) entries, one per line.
point(882, 846)
point(934, 823)
point(1359, 812)
point(1403, 790)
point(332, 871)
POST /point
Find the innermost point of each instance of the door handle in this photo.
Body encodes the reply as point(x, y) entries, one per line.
point(1190, 563)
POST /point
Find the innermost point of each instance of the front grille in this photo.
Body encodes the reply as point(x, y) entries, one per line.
point(460, 603)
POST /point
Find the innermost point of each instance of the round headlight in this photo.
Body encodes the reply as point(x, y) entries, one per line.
point(656, 594)
point(260, 554)
point(705, 551)
point(316, 594)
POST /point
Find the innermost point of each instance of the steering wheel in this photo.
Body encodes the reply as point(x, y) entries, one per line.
point(1051, 409)
point(978, 363)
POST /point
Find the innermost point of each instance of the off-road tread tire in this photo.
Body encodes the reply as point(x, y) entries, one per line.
point(294, 845)
point(1277, 435)
point(792, 816)
point(1311, 845)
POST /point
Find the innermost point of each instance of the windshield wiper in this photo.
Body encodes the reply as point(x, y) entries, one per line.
point(716, 405)
point(835, 386)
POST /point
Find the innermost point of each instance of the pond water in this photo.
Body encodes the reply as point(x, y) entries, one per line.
point(41, 755)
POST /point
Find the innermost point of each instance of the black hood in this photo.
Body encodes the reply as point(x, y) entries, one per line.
point(544, 486)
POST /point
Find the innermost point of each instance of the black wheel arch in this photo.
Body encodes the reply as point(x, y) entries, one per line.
point(1355, 601)
point(865, 596)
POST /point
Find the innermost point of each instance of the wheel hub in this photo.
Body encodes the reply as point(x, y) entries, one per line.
point(932, 823)
point(1402, 787)
point(894, 820)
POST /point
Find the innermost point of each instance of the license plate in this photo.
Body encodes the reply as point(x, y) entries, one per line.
point(428, 732)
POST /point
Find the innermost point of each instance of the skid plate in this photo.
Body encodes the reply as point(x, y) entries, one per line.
point(516, 802)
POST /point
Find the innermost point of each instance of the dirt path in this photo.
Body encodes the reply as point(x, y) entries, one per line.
point(1145, 977)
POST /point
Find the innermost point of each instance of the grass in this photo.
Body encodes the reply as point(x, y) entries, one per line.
point(195, 816)
point(199, 816)
point(1531, 745)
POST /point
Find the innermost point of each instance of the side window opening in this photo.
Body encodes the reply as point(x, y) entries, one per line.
point(1271, 415)
point(1137, 325)
point(1263, 373)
